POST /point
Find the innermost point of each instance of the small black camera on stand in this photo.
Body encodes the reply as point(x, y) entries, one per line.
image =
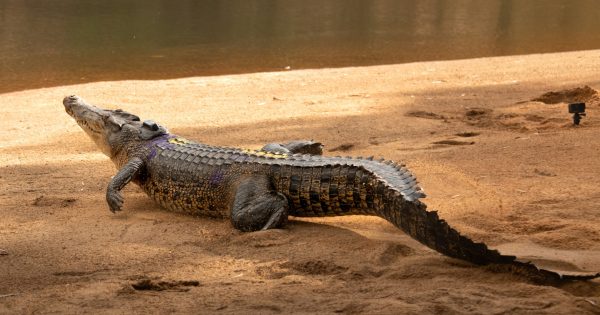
point(578, 110)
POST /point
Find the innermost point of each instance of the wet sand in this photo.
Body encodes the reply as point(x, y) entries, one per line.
point(499, 167)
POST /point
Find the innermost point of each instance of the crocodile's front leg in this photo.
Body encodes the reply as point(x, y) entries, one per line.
point(257, 206)
point(296, 146)
point(122, 178)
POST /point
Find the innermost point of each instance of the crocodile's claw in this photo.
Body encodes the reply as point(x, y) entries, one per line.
point(115, 200)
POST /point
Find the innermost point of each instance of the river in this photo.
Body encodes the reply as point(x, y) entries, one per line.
point(48, 43)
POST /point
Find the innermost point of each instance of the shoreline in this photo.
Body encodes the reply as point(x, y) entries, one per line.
point(212, 70)
point(284, 70)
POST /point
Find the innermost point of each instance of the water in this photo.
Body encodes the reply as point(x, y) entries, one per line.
point(46, 43)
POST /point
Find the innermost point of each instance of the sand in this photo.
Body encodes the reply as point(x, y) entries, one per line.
point(499, 167)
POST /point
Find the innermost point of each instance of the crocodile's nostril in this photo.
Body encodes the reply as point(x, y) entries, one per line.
point(70, 100)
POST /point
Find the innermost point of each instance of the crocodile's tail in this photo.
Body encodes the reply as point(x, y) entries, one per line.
point(355, 185)
point(426, 227)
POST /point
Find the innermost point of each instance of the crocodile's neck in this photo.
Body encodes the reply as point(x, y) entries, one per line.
point(126, 150)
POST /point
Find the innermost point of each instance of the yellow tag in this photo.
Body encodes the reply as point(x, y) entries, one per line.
point(274, 155)
point(179, 141)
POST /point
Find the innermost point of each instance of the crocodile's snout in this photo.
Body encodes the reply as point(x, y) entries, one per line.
point(70, 98)
point(83, 112)
point(69, 101)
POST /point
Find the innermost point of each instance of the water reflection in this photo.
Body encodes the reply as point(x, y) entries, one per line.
point(70, 41)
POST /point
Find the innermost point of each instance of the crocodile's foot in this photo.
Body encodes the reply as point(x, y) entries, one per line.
point(257, 206)
point(114, 199)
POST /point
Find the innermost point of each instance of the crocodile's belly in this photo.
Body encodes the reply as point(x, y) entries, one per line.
point(190, 198)
point(203, 192)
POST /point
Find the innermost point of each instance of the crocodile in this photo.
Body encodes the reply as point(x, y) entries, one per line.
point(259, 189)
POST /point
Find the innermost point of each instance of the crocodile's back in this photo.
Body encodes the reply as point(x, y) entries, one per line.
point(200, 179)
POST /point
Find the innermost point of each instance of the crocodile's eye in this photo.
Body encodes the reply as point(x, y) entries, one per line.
point(150, 125)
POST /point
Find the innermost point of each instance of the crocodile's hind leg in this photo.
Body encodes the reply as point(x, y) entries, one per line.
point(296, 146)
point(257, 206)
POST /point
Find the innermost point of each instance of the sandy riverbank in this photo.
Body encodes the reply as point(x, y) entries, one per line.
point(499, 167)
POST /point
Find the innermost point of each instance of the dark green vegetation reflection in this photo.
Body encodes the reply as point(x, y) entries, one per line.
point(45, 43)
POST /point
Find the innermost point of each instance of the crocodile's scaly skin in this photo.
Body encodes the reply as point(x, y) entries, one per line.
point(199, 179)
point(195, 178)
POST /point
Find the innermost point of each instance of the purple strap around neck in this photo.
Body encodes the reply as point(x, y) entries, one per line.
point(158, 140)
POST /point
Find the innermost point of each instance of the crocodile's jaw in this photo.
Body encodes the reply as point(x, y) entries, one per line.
point(93, 120)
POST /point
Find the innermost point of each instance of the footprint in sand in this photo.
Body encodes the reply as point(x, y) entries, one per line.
point(392, 252)
point(453, 142)
point(425, 115)
point(316, 267)
point(45, 201)
point(467, 134)
point(342, 147)
point(307, 267)
point(147, 284)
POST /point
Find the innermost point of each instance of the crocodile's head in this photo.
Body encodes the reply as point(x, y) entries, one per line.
point(111, 130)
